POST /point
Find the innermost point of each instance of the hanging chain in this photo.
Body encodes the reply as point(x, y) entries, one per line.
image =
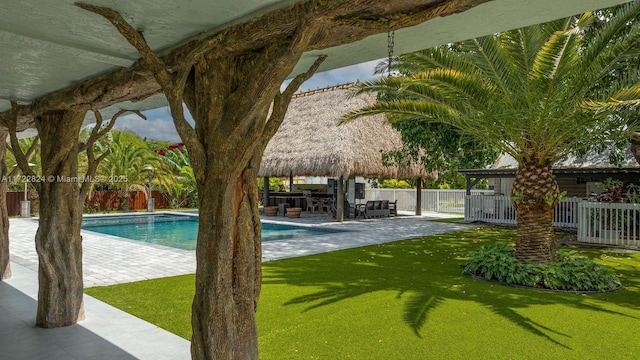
point(391, 34)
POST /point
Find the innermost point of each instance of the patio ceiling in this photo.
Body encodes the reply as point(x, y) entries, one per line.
point(49, 45)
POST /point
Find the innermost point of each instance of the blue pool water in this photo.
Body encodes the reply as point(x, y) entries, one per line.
point(180, 231)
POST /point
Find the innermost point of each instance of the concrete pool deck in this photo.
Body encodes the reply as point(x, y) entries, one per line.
point(109, 333)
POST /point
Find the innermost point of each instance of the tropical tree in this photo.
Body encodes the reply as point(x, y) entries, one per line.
point(620, 69)
point(438, 146)
point(127, 166)
point(533, 93)
point(182, 192)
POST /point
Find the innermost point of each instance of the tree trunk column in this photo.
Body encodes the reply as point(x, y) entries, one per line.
point(231, 102)
point(58, 240)
point(535, 194)
point(5, 267)
point(228, 273)
point(228, 251)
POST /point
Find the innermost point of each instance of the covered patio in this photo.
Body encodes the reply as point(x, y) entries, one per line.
point(311, 142)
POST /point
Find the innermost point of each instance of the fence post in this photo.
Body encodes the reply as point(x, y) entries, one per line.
point(467, 207)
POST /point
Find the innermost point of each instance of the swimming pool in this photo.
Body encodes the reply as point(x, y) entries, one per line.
point(181, 231)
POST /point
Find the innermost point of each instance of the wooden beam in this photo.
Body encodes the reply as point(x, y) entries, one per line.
point(472, 183)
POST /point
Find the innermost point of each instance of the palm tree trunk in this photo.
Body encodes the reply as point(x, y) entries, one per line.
point(535, 194)
point(635, 146)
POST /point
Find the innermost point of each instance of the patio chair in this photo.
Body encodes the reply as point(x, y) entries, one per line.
point(393, 208)
point(326, 204)
point(312, 204)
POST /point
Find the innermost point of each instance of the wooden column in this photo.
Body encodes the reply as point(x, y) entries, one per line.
point(340, 199)
point(290, 182)
point(419, 196)
point(265, 191)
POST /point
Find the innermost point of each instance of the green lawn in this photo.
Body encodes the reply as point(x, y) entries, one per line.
point(449, 220)
point(409, 300)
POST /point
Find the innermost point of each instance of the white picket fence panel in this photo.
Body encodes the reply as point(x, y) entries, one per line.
point(609, 223)
point(446, 201)
point(499, 210)
point(490, 209)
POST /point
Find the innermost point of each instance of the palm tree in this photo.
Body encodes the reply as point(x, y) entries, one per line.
point(531, 93)
point(182, 191)
point(126, 166)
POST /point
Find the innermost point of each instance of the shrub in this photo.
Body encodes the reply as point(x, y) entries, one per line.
point(572, 272)
point(395, 184)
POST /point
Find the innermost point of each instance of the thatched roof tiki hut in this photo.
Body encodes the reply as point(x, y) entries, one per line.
point(310, 142)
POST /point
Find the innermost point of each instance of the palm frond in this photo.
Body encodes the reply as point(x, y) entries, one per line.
point(405, 109)
point(484, 53)
point(621, 98)
point(610, 30)
point(616, 52)
point(539, 92)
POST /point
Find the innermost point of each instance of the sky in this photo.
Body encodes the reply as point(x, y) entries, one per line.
point(159, 124)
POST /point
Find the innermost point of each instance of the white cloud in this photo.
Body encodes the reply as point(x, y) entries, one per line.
point(339, 76)
point(158, 125)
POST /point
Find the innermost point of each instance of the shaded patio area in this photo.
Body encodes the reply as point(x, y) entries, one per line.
point(109, 333)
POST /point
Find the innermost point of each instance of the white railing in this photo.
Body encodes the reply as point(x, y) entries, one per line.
point(449, 201)
point(609, 223)
point(598, 223)
point(490, 209)
point(565, 214)
point(500, 210)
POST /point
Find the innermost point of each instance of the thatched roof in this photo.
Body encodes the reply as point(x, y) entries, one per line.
point(311, 143)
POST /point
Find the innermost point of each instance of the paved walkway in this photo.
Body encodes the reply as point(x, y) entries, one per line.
point(109, 333)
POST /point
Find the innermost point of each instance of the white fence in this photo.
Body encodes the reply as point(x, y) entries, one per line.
point(597, 223)
point(610, 224)
point(448, 201)
point(500, 210)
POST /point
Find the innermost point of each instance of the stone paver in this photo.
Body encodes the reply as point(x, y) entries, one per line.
point(106, 259)
point(109, 333)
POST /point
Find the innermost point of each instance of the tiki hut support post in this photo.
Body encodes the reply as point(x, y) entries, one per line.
point(419, 196)
point(340, 199)
point(290, 182)
point(265, 192)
